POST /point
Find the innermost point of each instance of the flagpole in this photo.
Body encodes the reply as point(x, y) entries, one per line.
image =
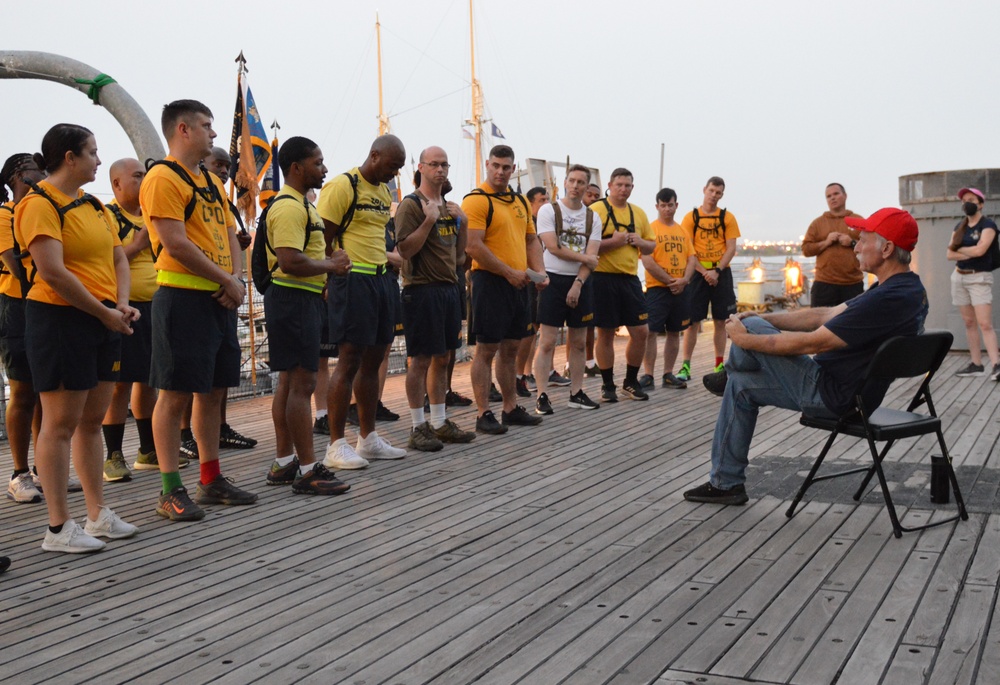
point(477, 102)
point(234, 153)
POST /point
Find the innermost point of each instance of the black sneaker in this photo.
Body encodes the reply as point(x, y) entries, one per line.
point(529, 380)
point(646, 381)
point(283, 475)
point(230, 438)
point(672, 381)
point(591, 371)
point(995, 373)
point(487, 423)
point(519, 417)
point(495, 395)
point(223, 491)
point(558, 380)
point(352, 415)
point(609, 393)
point(319, 481)
point(543, 406)
point(383, 413)
point(581, 401)
point(715, 382)
point(321, 426)
point(632, 391)
point(189, 447)
point(177, 506)
point(454, 399)
point(971, 370)
point(521, 385)
point(712, 495)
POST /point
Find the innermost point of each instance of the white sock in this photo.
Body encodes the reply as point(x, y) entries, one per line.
point(438, 415)
point(591, 363)
point(320, 413)
point(285, 461)
point(417, 416)
point(305, 469)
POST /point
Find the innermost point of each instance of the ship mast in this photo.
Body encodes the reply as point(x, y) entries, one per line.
point(383, 120)
point(477, 102)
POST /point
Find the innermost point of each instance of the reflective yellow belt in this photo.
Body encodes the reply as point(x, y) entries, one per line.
point(189, 281)
point(367, 269)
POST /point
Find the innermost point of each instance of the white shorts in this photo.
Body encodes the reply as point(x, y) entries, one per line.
point(971, 289)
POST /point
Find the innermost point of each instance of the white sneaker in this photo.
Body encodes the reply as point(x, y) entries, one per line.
point(374, 447)
point(22, 489)
point(72, 484)
point(71, 539)
point(109, 525)
point(341, 457)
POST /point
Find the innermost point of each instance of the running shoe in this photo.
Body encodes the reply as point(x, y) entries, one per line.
point(71, 539)
point(449, 432)
point(109, 525)
point(558, 380)
point(375, 447)
point(321, 426)
point(519, 417)
point(319, 481)
point(487, 423)
point(581, 401)
point(672, 381)
point(22, 490)
point(423, 439)
point(685, 373)
point(283, 475)
point(228, 437)
point(223, 491)
point(543, 406)
point(342, 457)
point(115, 468)
point(176, 505)
point(454, 399)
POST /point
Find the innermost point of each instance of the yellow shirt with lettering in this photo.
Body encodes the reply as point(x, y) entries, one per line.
point(165, 195)
point(506, 236)
point(141, 267)
point(287, 224)
point(709, 240)
point(88, 243)
point(625, 258)
point(673, 248)
point(364, 238)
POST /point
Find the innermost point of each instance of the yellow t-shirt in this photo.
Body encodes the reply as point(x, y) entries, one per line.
point(506, 235)
point(364, 239)
point(10, 284)
point(164, 195)
point(709, 241)
point(673, 248)
point(141, 267)
point(625, 258)
point(87, 239)
point(287, 223)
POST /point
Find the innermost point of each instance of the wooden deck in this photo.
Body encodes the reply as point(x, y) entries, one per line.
point(558, 554)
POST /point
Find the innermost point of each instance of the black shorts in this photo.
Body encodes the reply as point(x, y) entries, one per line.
point(552, 307)
point(13, 351)
point(618, 300)
point(831, 294)
point(533, 304)
point(499, 310)
point(668, 313)
point(463, 294)
point(722, 297)
point(432, 319)
point(326, 348)
point(362, 309)
point(294, 327)
point(69, 348)
point(137, 349)
point(195, 346)
point(398, 326)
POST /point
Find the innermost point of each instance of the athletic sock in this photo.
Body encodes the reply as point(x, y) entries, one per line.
point(632, 374)
point(56, 529)
point(718, 360)
point(186, 434)
point(210, 471)
point(591, 363)
point(305, 469)
point(438, 415)
point(320, 413)
point(609, 377)
point(417, 416)
point(145, 430)
point(170, 481)
point(18, 472)
point(114, 433)
point(285, 461)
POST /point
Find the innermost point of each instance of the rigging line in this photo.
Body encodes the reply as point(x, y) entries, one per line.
point(517, 111)
point(442, 97)
point(424, 53)
point(350, 100)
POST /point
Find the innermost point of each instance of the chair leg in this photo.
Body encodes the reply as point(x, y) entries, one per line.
point(871, 472)
point(812, 474)
point(897, 528)
point(953, 478)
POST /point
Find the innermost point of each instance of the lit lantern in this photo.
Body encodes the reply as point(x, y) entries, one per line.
point(793, 277)
point(756, 271)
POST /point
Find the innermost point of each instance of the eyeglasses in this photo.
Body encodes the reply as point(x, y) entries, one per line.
point(436, 165)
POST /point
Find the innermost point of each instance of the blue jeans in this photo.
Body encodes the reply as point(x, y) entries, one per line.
point(758, 380)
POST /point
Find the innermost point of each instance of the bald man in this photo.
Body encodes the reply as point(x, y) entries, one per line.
point(125, 215)
point(430, 236)
point(362, 305)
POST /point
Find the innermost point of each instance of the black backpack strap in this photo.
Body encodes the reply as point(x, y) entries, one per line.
point(489, 203)
point(629, 228)
point(125, 226)
point(348, 217)
point(234, 210)
point(209, 193)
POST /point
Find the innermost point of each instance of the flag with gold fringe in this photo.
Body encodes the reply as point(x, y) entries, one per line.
point(251, 153)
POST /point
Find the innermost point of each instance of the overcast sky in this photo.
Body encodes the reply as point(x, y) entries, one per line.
point(778, 97)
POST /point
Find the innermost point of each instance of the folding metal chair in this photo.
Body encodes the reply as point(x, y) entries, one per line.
point(899, 357)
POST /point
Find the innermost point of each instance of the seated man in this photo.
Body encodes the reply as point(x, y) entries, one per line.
point(769, 364)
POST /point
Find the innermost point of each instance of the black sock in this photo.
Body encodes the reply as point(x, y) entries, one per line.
point(631, 374)
point(186, 434)
point(18, 472)
point(56, 529)
point(145, 429)
point(114, 433)
point(609, 377)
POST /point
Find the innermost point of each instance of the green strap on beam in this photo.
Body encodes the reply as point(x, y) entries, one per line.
point(94, 92)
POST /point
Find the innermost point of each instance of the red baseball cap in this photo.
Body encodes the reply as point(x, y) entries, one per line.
point(975, 191)
point(892, 224)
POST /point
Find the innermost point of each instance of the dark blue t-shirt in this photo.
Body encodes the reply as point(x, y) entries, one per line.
point(896, 307)
point(971, 237)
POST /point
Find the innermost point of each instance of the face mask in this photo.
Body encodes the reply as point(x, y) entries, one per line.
point(970, 208)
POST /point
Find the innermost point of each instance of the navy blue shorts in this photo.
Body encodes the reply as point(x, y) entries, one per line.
point(13, 350)
point(362, 309)
point(618, 300)
point(294, 320)
point(722, 297)
point(499, 310)
point(195, 346)
point(552, 307)
point(668, 313)
point(432, 319)
point(137, 349)
point(68, 348)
